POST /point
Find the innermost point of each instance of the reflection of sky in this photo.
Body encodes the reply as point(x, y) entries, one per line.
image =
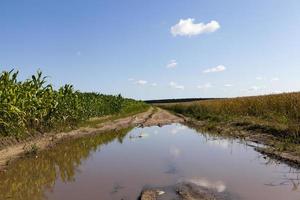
point(175, 151)
point(177, 129)
point(163, 159)
point(203, 182)
point(219, 143)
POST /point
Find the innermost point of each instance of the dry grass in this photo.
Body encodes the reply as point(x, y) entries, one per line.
point(278, 113)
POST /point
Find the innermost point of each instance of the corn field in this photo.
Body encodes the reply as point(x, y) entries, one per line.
point(280, 109)
point(33, 105)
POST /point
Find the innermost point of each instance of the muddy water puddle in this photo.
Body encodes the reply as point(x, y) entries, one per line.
point(118, 165)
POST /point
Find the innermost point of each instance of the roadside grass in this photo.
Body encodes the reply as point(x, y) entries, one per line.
point(276, 115)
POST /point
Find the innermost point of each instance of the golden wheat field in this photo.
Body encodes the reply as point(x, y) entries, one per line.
point(280, 109)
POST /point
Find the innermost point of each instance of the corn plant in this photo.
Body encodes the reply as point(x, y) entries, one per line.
point(31, 106)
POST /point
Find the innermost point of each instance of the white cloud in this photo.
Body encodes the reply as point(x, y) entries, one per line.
point(176, 86)
point(154, 84)
point(205, 86)
point(254, 88)
point(277, 92)
point(218, 68)
point(172, 64)
point(259, 78)
point(181, 87)
point(187, 27)
point(228, 85)
point(172, 83)
point(275, 79)
point(141, 82)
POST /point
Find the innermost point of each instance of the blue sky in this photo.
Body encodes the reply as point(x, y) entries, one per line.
point(231, 48)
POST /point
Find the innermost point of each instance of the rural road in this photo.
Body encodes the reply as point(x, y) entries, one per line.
point(152, 117)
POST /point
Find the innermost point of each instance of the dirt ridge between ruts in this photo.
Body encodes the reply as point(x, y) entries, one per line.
point(152, 117)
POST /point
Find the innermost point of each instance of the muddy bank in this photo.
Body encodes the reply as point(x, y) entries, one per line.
point(183, 191)
point(271, 144)
point(286, 157)
point(149, 118)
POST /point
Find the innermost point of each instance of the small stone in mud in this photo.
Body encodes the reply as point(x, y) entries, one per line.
point(181, 191)
point(149, 195)
point(190, 191)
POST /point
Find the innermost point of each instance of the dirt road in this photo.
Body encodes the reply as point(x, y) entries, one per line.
point(152, 117)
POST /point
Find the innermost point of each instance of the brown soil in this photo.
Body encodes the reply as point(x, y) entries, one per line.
point(149, 118)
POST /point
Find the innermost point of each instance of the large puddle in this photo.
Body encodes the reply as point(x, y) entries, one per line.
point(118, 165)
